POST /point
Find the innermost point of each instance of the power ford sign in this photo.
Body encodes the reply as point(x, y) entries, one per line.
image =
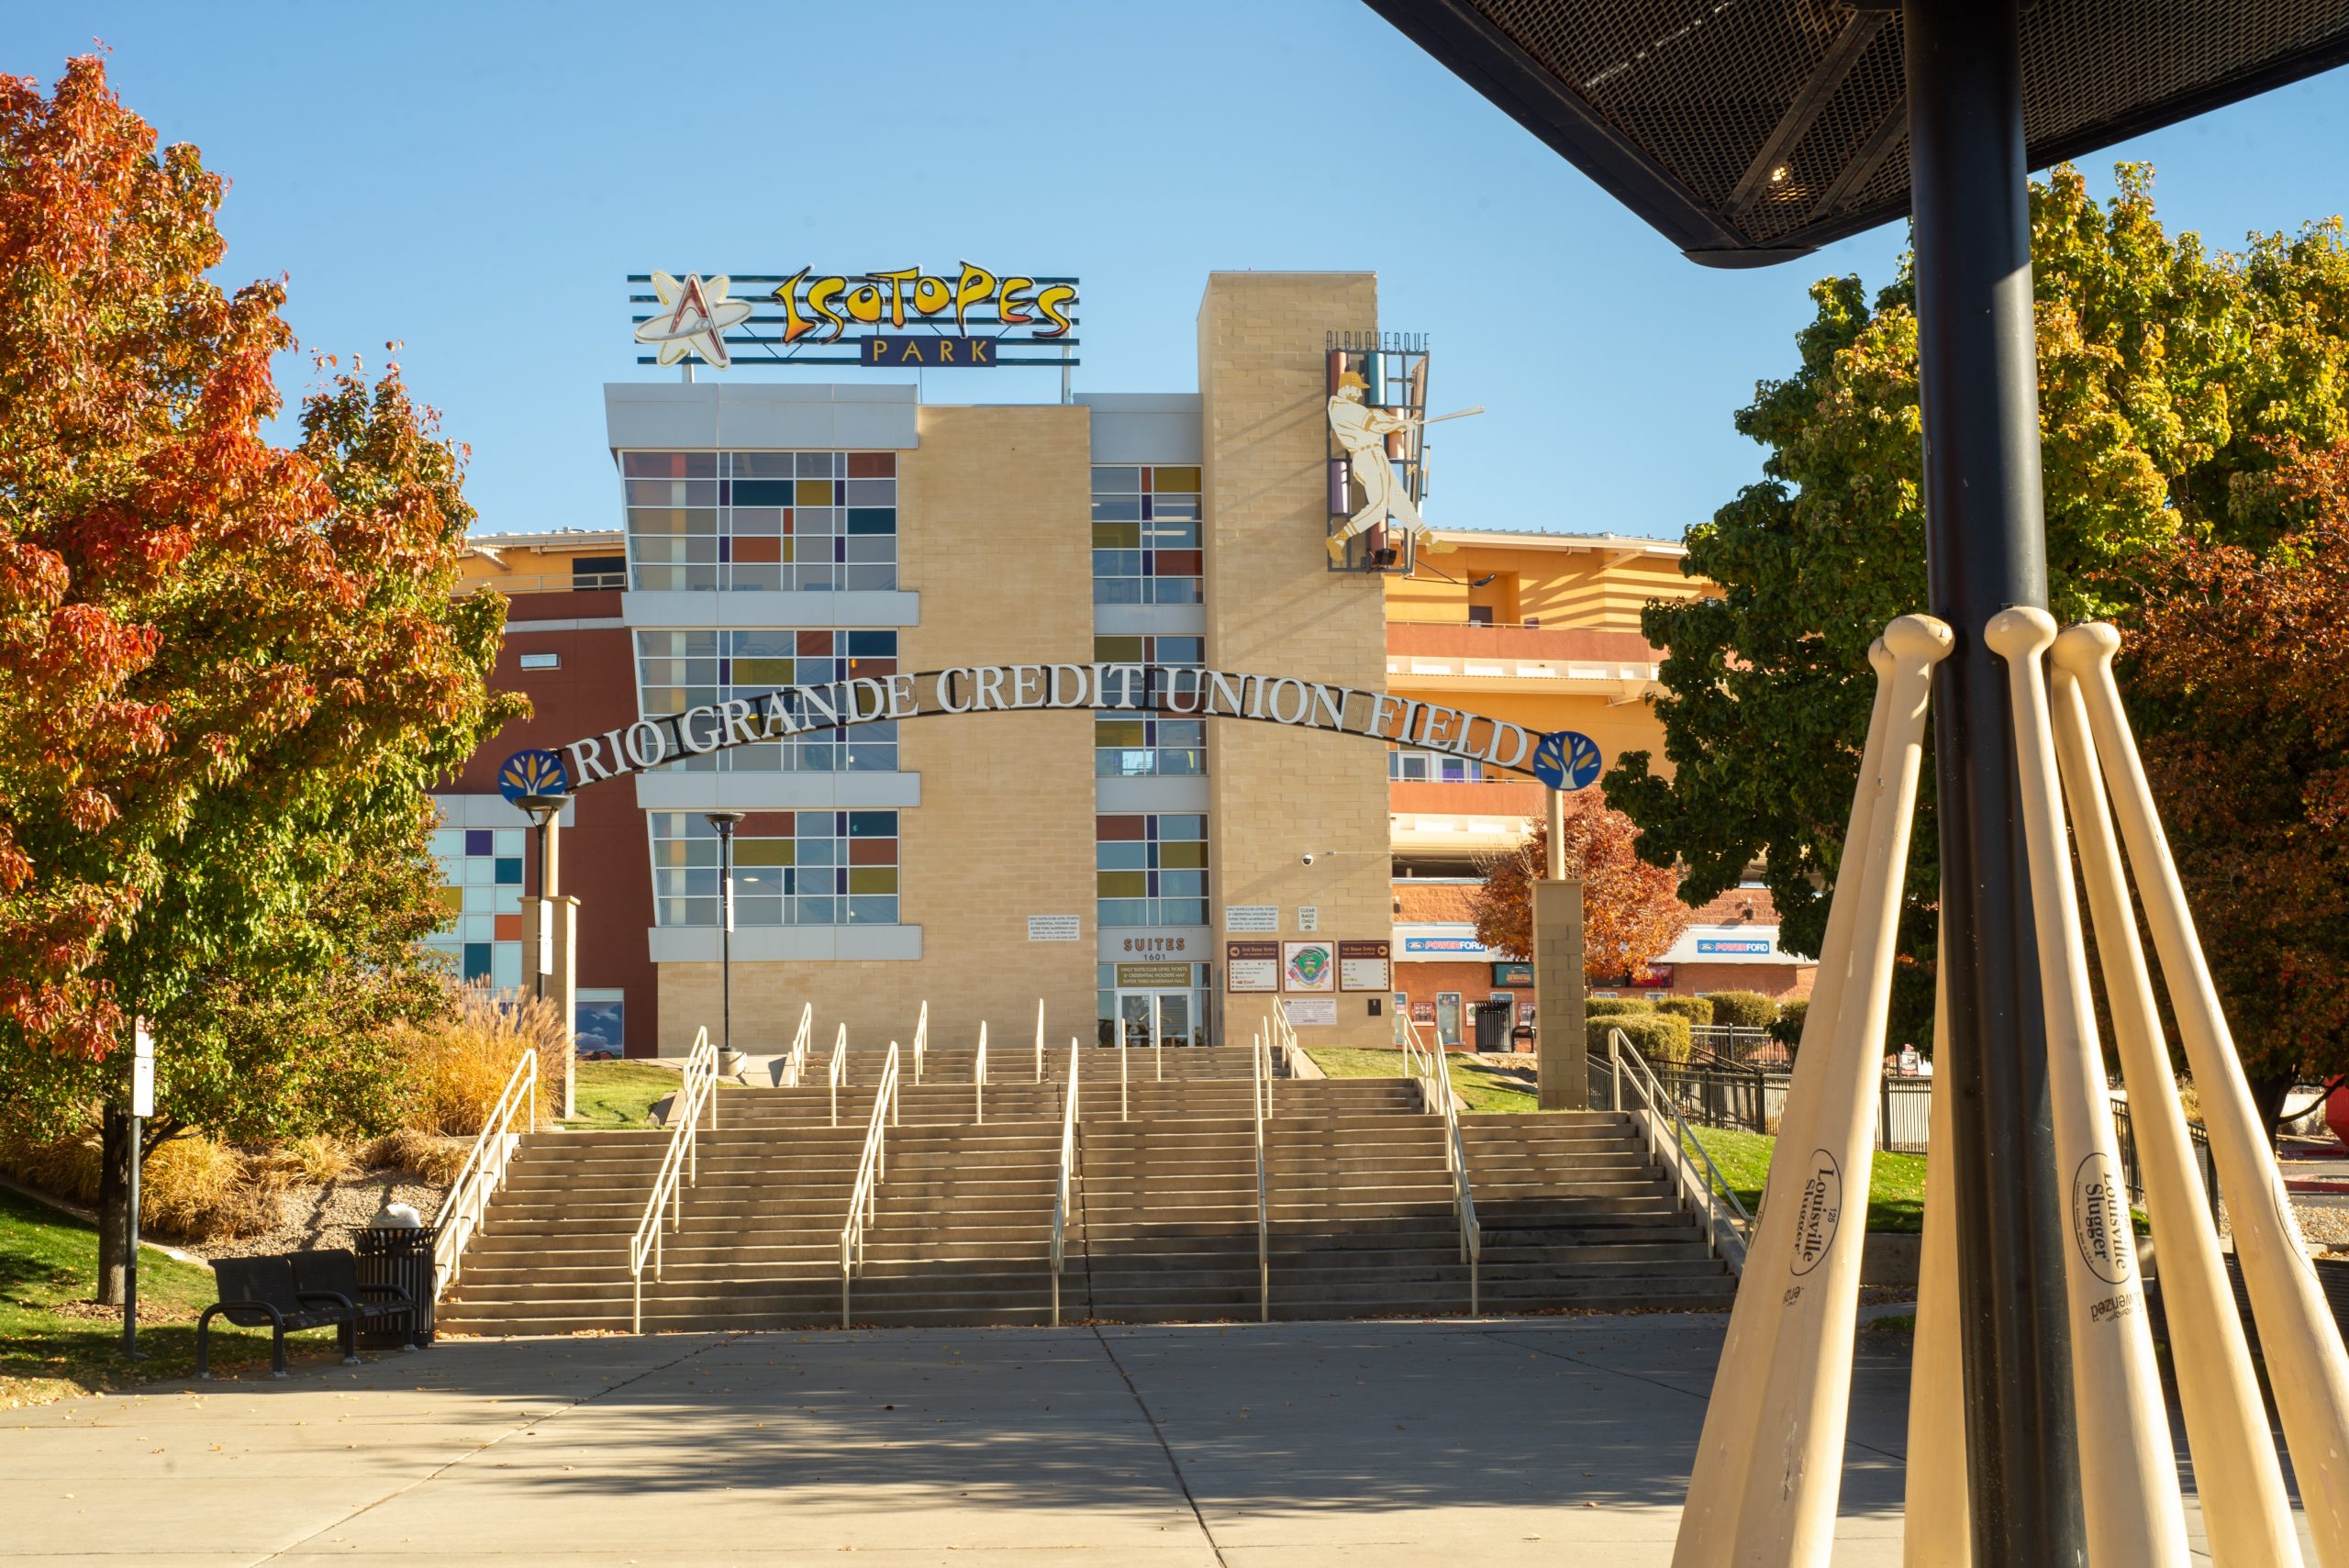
point(1751, 947)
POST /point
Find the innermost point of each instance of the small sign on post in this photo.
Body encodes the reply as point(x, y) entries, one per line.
point(142, 1072)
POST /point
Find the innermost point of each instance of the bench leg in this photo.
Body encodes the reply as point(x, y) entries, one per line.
point(204, 1347)
point(277, 1352)
point(347, 1332)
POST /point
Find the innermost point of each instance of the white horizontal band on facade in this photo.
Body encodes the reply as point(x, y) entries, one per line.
point(1149, 620)
point(697, 609)
point(718, 416)
point(777, 791)
point(590, 623)
point(492, 811)
point(1160, 792)
point(788, 944)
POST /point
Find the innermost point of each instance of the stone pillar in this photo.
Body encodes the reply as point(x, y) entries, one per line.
point(561, 989)
point(1563, 1031)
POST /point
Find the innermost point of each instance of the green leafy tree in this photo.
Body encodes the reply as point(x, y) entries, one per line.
point(228, 670)
point(2166, 372)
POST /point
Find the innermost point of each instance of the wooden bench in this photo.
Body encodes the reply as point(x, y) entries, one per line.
point(262, 1293)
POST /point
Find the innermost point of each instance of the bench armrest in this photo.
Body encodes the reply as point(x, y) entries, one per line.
point(276, 1314)
point(328, 1297)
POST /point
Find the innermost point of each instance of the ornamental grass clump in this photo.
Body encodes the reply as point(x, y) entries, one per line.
point(458, 1066)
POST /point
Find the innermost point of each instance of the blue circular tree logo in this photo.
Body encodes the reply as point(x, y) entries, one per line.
point(1567, 760)
point(533, 772)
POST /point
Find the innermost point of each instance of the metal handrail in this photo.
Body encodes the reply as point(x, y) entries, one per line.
point(871, 1166)
point(836, 1071)
point(1067, 1173)
point(979, 1080)
point(1122, 1113)
point(681, 1158)
point(1258, 1064)
point(1039, 1040)
point(1435, 1094)
point(1651, 1091)
point(921, 1039)
point(483, 1176)
point(794, 1062)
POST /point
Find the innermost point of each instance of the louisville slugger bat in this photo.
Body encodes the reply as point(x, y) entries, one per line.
point(1937, 1526)
point(2297, 1335)
point(1787, 1518)
point(1717, 1481)
point(2129, 1491)
point(2246, 1513)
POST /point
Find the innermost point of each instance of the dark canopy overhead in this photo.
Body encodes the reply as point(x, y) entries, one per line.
point(1749, 131)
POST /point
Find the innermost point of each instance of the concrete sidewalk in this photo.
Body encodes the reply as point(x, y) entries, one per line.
point(1504, 1442)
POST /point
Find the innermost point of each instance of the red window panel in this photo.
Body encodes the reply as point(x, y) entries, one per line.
point(757, 548)
point(872, 465)
point(873, 667)
point(509, 927)
point(1117, 830)
point(766, 825)
point(873, 851)
point(816, 644)
point(1171, 563)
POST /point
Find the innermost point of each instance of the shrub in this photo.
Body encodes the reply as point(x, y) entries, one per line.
point(1787, 1028)
point(63, 1167)
point(1744, 1009)
point(1697, 1010)
point(1615, 1006)
point(458, 1066)
point(199, 1190)
point(1660, 1037)
point(316, 1160)
point(436, 1159)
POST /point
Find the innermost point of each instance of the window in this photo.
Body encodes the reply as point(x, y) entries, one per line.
point(799, 521)
point(541, 661)
point(1151, 870)
point(598, 571)
point(1480, 614)
point(1145, 534)
point(1432, 767)
point(791, 868)
point(1138, 744)
point(680, 669)
point(480, 888)
point(600, 1025)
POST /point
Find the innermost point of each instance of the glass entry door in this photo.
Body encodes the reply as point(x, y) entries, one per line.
point(1148, 1019)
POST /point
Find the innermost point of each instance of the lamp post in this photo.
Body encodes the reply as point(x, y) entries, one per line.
point(543, 809)
point(724, 821)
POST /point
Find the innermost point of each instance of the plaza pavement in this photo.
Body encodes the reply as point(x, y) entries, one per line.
point(1372, 1445)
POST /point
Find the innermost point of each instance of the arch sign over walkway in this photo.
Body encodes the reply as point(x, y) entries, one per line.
point(1563, 760)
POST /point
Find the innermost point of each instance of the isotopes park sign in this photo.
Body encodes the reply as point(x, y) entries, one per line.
point(1183, 690)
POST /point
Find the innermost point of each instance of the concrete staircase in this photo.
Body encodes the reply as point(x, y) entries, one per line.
point(1164, 1227)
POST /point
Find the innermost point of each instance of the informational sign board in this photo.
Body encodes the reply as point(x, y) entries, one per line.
point(1251, 966)
point(1366, 966)
point(1153, 976)
point(1308, 917)
point(1307, 1012)
point(142, 1072)
point(1252, 917)
point(1309, 966)
point(1423, 1012)
point(1512, 974)
point(1055, 927)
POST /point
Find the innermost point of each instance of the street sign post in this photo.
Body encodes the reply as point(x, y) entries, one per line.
point(142, 1105)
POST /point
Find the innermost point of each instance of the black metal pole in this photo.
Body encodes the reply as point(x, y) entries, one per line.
point(1985, 547)
point(546, 907)
point(130, 1257)
point(724, 821)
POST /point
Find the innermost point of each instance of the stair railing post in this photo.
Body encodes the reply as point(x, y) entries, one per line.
point(1039, 1040)
point(1157, 1039)
point(1123, 1114)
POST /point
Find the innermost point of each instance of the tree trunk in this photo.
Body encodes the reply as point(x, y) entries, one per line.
point(2268, 1095)
point(113, 1206)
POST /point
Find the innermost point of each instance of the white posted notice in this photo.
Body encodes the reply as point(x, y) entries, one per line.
point(1056, 928)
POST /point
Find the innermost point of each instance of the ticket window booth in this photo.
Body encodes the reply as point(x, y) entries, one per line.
point(1146, 1006)
point(1447, 1016)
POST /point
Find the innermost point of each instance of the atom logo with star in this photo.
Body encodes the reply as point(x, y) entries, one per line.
point(693, 319)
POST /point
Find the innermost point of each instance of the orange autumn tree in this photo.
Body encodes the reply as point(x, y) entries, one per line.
point(1631, 910)
point(2236, 672)
point(229, 671)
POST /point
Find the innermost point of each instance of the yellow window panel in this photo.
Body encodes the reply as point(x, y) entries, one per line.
point(1123, 884)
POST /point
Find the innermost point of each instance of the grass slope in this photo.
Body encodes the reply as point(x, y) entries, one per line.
point(1479, 1087)
point(618, 1094)
point(1896, 1184)
point(53, 1343)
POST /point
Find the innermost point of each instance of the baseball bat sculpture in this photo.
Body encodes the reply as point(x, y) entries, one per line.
point(2128, 1489)
point(1708, 1522)
point(1937, 1529)
point(2299, 1336)
point(2246, 1515)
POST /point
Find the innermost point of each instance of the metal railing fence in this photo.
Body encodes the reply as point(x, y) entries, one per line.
point(1655, 1109)
point(872, 1165)
point(1066, 1177)
point(679, 1163)
point(483, 1176)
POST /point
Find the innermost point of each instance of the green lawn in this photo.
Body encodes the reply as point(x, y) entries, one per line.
point(1896, 1184)
point(49, 1263)
point(618, 1094)
point(1480, 1087)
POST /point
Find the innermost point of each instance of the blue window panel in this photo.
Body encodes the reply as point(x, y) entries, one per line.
point(872, 644)
point(478, 842)
point(872, 824)
point(1124, 912)
point(509, 869)
point(477, 959)
point(505, 965)
point(763, 493)
point(873, 909)
point(873, 519)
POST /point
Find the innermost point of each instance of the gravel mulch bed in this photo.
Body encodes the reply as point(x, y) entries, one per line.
point(332, 1215)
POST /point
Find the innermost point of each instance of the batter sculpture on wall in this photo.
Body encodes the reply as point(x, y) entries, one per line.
point(1183, 690)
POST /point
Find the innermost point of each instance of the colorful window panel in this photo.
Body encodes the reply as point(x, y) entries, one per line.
point(791, 868)
point(1432, 767)
point(480, 888)
point(1139, 745)
point(773, 520)
point(1145, 534)
point(1151, 870)
point(680, 669)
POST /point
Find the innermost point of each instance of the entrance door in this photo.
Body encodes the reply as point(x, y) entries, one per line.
point(1135, 1024)
point(1146, 1018)
point(1447, 1016)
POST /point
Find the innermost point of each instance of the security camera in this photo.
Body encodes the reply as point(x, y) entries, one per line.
point(1306, 859)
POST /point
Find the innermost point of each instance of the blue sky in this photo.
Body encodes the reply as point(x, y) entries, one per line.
point(476, 181)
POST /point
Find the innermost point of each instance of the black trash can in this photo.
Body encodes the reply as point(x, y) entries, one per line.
point(1492, 1028)
point(402, 1256)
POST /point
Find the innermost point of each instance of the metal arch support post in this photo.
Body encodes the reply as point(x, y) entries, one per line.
point(1986, 550)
